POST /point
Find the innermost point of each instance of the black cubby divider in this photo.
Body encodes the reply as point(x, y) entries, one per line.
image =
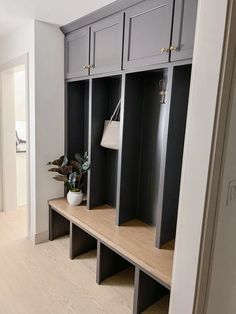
point(76, 120)
point(106, 93)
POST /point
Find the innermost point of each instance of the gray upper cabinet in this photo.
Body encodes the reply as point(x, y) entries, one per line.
point(145, 34)
point(77, 53)
point(148, 33)
point(107, 44)
point(183, 29)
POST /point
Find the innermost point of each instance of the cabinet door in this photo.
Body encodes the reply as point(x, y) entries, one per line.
point(184, 29)
point(106, 44)
point(77, 53)
point(148, 33)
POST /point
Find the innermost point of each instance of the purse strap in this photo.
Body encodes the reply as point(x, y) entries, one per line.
point(116, 112)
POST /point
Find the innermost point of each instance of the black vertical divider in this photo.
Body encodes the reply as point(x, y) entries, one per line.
point(106, 93)
point(169, 196)
point(77, 106)
point(141, 147)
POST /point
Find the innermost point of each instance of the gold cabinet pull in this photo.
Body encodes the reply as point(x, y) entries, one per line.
point(85, 67)
point(165, 49)
point(173, 48)
point(90, 66)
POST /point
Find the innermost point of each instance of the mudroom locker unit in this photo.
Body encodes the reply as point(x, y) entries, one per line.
point(138, 53)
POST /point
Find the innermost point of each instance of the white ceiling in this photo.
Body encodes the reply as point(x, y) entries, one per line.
point(14, 13)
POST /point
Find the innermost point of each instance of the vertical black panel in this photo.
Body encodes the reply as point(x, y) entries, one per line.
point(150, 154)
point(77, 120)
point(130, 148)
point(58, 225)
point(166, 224)
point(103, 174)
point(141, 147)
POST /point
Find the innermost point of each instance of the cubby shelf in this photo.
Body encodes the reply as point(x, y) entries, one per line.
point(133, 240)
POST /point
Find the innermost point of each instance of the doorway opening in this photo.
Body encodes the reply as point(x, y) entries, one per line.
point(14, 194)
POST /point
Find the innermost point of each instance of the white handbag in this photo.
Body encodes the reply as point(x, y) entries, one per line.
point(111, 132)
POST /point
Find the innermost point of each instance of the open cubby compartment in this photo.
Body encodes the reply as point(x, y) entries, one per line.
point(172, 158)
point(80, 241)
point(106, 93)
point(141, 146)
point(148, 292)
point(77, 110)
point(109, 262)
point(59, 226)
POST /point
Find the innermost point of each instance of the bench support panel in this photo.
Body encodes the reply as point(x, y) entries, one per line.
point(59, 226)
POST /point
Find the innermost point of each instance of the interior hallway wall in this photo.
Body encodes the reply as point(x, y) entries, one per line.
point(44, 44)
point(20, 117)
point(222, 283)
point(49, 113)
point(14, 45)
point(8, 137)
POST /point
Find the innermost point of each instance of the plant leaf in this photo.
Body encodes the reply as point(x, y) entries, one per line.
point(54, 170)
point(61, 178)
point(64, 161)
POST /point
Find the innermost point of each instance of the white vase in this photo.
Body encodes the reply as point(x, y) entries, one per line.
point(74, 198)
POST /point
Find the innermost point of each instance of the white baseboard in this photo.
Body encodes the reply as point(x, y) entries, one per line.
point(40, 237)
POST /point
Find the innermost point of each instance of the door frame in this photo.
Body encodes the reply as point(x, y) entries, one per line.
point(21, 60)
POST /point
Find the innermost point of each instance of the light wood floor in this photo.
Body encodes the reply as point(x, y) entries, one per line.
point(43, 280)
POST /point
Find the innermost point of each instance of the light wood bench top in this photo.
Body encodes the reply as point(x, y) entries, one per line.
point(134, 240)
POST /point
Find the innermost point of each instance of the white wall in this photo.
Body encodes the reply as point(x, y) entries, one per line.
point(44, 44)
point(199, 135)
point(49, 113)
point(222, 284)
point(8, 137)
point(13, 45)
point(20, 116)
point(20, 97)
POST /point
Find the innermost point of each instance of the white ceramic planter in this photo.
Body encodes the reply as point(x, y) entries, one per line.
point(74, 198)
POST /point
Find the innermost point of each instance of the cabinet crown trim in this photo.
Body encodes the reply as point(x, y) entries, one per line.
point(110, 9)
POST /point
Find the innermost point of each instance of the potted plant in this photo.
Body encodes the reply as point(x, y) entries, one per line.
point(71, 172)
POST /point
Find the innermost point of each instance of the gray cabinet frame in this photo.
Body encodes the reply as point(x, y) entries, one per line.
point(72, 60)
point(107, 25)
point(185, 13)
point(165, 24)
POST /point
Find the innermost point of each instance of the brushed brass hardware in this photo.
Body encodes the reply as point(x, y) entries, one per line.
point(85, 67)
point(165, 49)
point(173, 48)
point(90, 66)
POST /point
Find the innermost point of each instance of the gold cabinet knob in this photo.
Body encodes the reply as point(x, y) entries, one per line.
point(173, 48)
point(165, 49)
point(85, 67)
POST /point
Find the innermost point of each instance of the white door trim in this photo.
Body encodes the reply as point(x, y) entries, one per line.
point(23, 59)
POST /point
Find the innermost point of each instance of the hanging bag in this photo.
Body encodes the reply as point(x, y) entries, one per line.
point(111, 132)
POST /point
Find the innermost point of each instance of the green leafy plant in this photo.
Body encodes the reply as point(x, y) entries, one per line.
point(71, 172)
